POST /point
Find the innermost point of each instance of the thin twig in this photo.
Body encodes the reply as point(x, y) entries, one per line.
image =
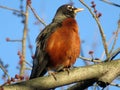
point(114, 84)
point(114, 54)
point(12, 9)
point(111, 3)
point(100, 28)
point(116, 36)
point(82, 55)
point(28, 63)
point(40, 20)
point(95, 86)
point(91, 60)
point(22, 69)
point(28, 68)
point(15, 40)
point(29, 42)
point(108, 43)
point(3, 69)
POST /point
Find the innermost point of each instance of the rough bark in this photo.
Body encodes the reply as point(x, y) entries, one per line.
point(104, 72)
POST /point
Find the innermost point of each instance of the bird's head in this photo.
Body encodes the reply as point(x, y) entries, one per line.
point(66, 11)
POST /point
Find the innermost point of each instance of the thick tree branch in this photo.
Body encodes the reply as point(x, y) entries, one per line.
point(97, 71)
point(82, 85)
point(103, 81)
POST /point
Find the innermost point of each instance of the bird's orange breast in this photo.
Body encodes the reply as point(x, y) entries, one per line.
point(63, 46)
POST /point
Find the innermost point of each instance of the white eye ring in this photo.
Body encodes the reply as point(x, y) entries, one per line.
point(70, 8)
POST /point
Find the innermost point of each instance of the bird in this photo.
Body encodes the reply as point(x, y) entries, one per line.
point(58, 44)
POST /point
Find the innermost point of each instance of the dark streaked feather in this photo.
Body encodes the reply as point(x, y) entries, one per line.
point(41, 57)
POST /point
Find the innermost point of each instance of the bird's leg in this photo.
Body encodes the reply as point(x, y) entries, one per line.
point(67, 69)
point(52, 73)
point(62, 68)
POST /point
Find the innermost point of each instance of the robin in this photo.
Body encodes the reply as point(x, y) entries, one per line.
point(58, 44)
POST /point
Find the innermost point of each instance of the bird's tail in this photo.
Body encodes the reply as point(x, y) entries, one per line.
point(38, 69)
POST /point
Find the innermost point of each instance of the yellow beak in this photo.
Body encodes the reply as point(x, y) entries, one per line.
point(78, 10)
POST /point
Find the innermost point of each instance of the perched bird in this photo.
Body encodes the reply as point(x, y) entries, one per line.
point(58, 44)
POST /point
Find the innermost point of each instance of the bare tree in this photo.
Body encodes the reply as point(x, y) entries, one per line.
point(101, 73)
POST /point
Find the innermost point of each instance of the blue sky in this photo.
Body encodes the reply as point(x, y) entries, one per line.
point(12, 27)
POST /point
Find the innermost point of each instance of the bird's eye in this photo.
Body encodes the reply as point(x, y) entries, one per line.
point(70, 8)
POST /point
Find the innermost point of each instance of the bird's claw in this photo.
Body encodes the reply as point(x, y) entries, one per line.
point(53, 74)
point(67, 69)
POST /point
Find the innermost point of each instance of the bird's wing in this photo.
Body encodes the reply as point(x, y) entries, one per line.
point(41, 57)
